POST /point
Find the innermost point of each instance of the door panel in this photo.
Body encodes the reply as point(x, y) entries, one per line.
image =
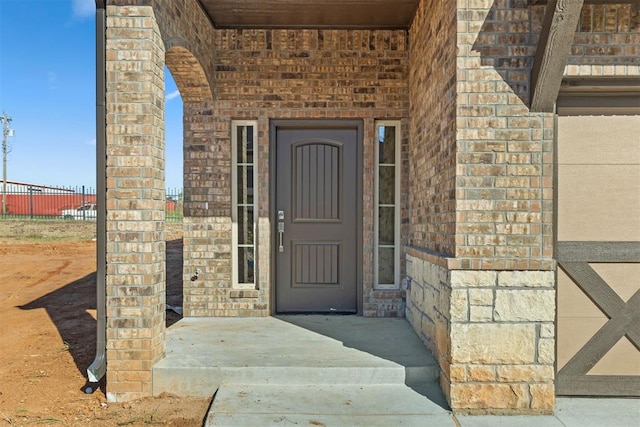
point(316, 264)
point(316, 189)
point(317, 181)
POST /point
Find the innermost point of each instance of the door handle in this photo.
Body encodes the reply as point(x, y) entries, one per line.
point(281, 231)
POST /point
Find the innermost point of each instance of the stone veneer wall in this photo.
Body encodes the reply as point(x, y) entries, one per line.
point(496, 347)
point(502, 341)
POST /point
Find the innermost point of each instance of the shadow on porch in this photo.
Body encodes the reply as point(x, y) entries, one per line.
point(207, 354)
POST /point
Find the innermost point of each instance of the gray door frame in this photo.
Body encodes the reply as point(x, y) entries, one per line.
point(274, 125)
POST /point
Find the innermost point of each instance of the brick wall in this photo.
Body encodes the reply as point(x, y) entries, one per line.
point(258, 75)
point(295, 74)
point(607, 42)
point(505, 164)
point(135, 201)
point(479, 175)
point(432, 169)
point(486, 305)
point(432, 147)
point(140, 40)
point(607, 35)
point(188, 38)
point(503, 297)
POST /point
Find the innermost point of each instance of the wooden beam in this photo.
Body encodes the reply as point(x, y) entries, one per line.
point(598, 251)
point(542, 2)
point(597, 385)
point(558, 31)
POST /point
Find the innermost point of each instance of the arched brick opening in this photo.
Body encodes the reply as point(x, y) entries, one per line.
point(195, 90)
point(187, 73)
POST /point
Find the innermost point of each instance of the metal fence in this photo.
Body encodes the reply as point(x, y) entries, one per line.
point(73, 203)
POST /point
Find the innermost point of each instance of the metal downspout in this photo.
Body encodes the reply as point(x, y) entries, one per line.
point(98, 367)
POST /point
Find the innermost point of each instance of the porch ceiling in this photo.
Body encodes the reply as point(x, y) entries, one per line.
point(310, 13)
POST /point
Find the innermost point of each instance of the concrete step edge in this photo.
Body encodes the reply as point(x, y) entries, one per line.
point(267, 420)
point(275, 403)
point(203, 381)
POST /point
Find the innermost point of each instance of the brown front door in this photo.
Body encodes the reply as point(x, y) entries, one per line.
point(316, 219)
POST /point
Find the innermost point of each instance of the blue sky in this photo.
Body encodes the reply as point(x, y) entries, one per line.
point(47, 86)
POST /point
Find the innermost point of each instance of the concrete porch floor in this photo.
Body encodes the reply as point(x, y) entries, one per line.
point(204, 353)
point(332, 370)
point(303, 370)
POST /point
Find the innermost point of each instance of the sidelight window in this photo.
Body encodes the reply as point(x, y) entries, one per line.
point(387, 206)
point(244, 202)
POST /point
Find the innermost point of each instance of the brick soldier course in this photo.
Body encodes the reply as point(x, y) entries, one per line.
point(477, 177)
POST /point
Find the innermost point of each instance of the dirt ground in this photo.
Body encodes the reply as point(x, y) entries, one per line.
point(48, 331)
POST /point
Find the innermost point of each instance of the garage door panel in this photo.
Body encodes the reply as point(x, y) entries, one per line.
point(599, 140)
point(598, 253)
point(599, 203)
point(573, 334)
point(622, 359)
point(623, 278)
point(573, 302)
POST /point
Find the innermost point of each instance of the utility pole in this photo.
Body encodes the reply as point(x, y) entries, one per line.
point(6, 131)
